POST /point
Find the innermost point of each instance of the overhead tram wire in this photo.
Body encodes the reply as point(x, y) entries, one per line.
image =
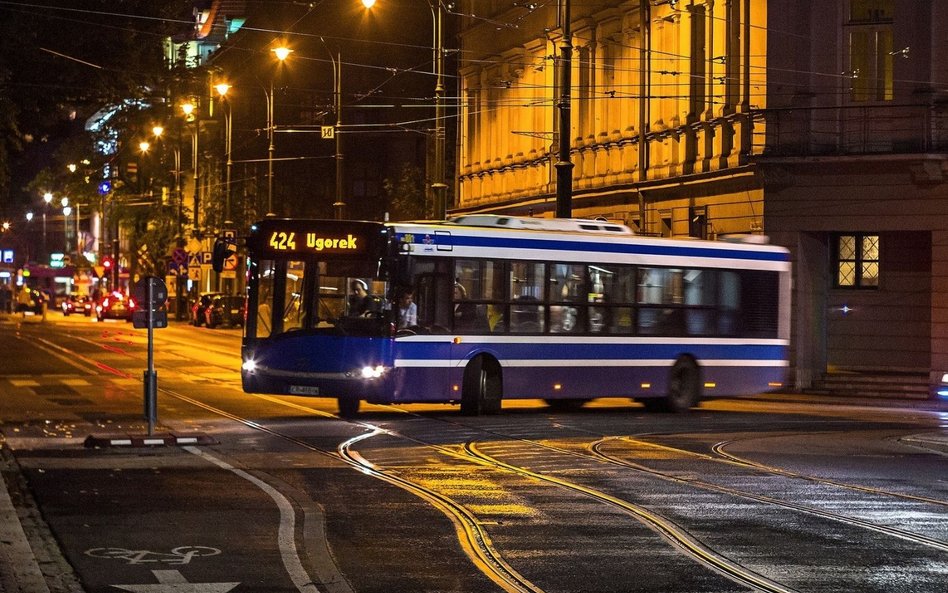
point(6, 5)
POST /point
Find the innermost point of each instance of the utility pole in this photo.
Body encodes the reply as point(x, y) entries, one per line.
point(564, 168)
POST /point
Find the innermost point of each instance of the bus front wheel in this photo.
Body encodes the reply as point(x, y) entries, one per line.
point(482, 389)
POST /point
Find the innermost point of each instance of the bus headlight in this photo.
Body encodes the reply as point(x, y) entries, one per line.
point(372, 372)
point(249, 365)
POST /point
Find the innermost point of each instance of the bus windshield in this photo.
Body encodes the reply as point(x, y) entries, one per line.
point(336, 297)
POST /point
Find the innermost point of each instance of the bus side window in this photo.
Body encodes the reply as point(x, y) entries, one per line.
point(264, 313)
point(729, 302)
point(527, 281)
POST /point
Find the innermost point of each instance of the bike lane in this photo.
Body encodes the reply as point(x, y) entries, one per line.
point(154, 520)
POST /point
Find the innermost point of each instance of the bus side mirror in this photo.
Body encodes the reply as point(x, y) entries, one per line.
point(223, 249)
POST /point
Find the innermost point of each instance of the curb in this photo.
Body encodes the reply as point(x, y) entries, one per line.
point(157, 440)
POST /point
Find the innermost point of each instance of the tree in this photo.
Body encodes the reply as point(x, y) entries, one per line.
point(61, 63)
point(406, 195)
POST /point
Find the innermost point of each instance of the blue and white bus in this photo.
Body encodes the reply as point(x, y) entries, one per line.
point(509, 308)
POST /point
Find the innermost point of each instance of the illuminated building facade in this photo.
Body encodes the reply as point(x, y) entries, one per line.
point(820, 124)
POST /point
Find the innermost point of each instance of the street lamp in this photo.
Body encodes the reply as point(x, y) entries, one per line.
point(222, 89)
point(438, 186)
point(281, 54)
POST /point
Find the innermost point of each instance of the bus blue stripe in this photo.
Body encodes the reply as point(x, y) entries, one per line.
point(421, 350)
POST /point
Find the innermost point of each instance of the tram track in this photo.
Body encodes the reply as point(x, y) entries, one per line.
point(477, 543)
point(470, 530)
point(596, 450)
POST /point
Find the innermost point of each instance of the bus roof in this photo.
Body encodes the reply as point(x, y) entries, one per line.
point(566, 240)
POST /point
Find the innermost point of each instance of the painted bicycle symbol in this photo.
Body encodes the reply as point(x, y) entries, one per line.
point(179, 555)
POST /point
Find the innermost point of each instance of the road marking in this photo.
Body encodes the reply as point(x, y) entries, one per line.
point(286, 532)
point(178, 555)
point(172, 581)
point(24, 383)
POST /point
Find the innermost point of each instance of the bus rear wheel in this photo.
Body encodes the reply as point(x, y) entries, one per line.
point(482, 388)
point(684, 386)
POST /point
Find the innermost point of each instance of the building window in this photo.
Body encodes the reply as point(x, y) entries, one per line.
point(870, 50)
point(857, 261)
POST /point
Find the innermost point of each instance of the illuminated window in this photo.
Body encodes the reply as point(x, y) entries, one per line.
point(857, 261)
point(870, 49)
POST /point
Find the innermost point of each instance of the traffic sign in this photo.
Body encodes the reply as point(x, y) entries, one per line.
point(150, 293)
point(179, 256)
point(328, 132)
point(230, 263)
point(99, 270)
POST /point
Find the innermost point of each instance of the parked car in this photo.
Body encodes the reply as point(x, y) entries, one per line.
point(198, 307)
point(114, 305)
point(225, 310)
point(79, 304)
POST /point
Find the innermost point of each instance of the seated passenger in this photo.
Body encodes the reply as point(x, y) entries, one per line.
point(466, 314)
point(407, 309)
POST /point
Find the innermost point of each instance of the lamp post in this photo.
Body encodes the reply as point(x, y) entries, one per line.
point(222, 89)
point(438, 186)
point(339, 206)
point(281, 54)
point(29, 220)
point(158, 132)
point(66, 212)
point(564, 167)
point(47, 198)
point(189, 112)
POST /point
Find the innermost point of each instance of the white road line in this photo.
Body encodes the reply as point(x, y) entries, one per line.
point(285, 534)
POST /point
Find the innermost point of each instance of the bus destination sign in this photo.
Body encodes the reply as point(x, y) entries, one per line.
point(290, 241)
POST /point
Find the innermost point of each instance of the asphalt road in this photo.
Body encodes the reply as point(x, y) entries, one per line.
point(776, 493)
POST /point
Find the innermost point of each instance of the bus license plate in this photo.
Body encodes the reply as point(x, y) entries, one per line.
point(303, 390)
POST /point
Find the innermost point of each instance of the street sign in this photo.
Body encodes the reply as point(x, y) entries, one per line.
point(159, 292)
point(151, 294)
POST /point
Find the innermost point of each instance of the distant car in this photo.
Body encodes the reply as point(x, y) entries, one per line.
point(79, 304)
point(225, 310)
point(114, 305)
point(203, 301)
point(36, 301)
